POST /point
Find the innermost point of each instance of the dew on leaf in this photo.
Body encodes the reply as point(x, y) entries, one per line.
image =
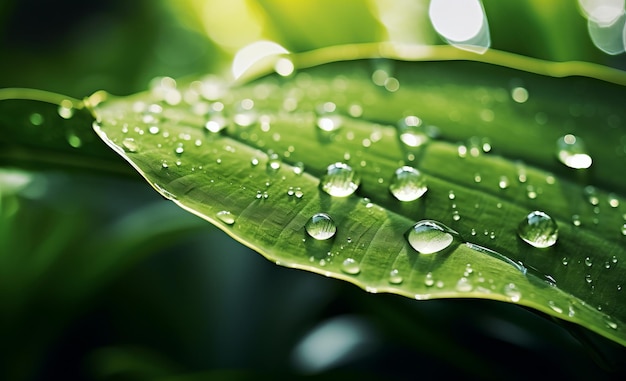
point(130, 145)
point(350, 266)
point(503, 183)
point(591, 194)
point(74, 140)
point(572, 152)
point(511, 290)
point(215, 123)
point(321, 226)
point(412, 131)
point(395, 277)
point(36, 119)
point(328, 119)
point(66, 109)
point(538, 229)
point(226, 217)
point(464, 285)
point(340, 180)
point(408, 184)
point(429, 280)
point(429, 236)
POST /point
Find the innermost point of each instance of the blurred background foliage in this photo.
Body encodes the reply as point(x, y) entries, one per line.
point(102, 279)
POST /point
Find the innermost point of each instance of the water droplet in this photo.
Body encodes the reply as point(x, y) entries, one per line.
point(510, 290)
point(451, 195)
point(273, 163)
point(477, 178)
point(571, 151)
point(504, 182)
point(554, 307)
point(408, 184)
point(428, 236)
point(129, 145)
point(245, 115)
point(588, 262)
point(464, 285)
point(613, 200)
point(328, 119)
point(591, 194)
point(153, 130)
point(66, 109)
point(624, 229)
point(456, 216)
point(519, 94)
point(179, 150)
point(321, 226)
point(298, 168)
point(254, 161)
point(576, 220)
point(429, 280)
point(565, 261)
point(226, 217)
point(538, 229)
point(74, 140)
point(395, 277)
point(36, 119)
point(216, 122)
point(531, 192)
point(340, 180)
point(350, 266)
point(412, 132)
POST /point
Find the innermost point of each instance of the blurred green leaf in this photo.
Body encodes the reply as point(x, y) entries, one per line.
point(244, 178)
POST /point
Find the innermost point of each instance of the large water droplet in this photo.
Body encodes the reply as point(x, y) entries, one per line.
point(340, 180)
point(428, 236)
point(226, 217)
point(538, 229)
point(571, 151)
point(350, 266)
point(408, 184)
point(412, 132)
point(321, 226)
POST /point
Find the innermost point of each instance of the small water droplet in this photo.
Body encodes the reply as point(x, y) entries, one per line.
point(179, 150)
point(408, 184)
point(451, 195)
point(66, 109)
point(511, 290)
point(395, 277)
point(588, 262)
point(226, 217)
point(429, 236)
point(340, 180)
point(554, 307)
point(538, 229)
point(273, 163)
point(328, 119)
point(245, 115)
point(429, 280)
point(464, 285)
point(412, 132)
point(321, 226)
point(565, 261)
point(153, 130)
point(254, 161)
point(298, 168)
point(591, 194)
point(36, 119)
point(624, 229)
point(129, 145)
point(350, 266)
point(74, 140)
point(531, 192)
point(477, 178)
point(613, 200)
point(572, 152)
point(576, 220)
point(519, 94)
point(216, 122)
point(504, 182)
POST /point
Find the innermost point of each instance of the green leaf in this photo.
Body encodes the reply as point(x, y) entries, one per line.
point(490, 161)
point(493, 122)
